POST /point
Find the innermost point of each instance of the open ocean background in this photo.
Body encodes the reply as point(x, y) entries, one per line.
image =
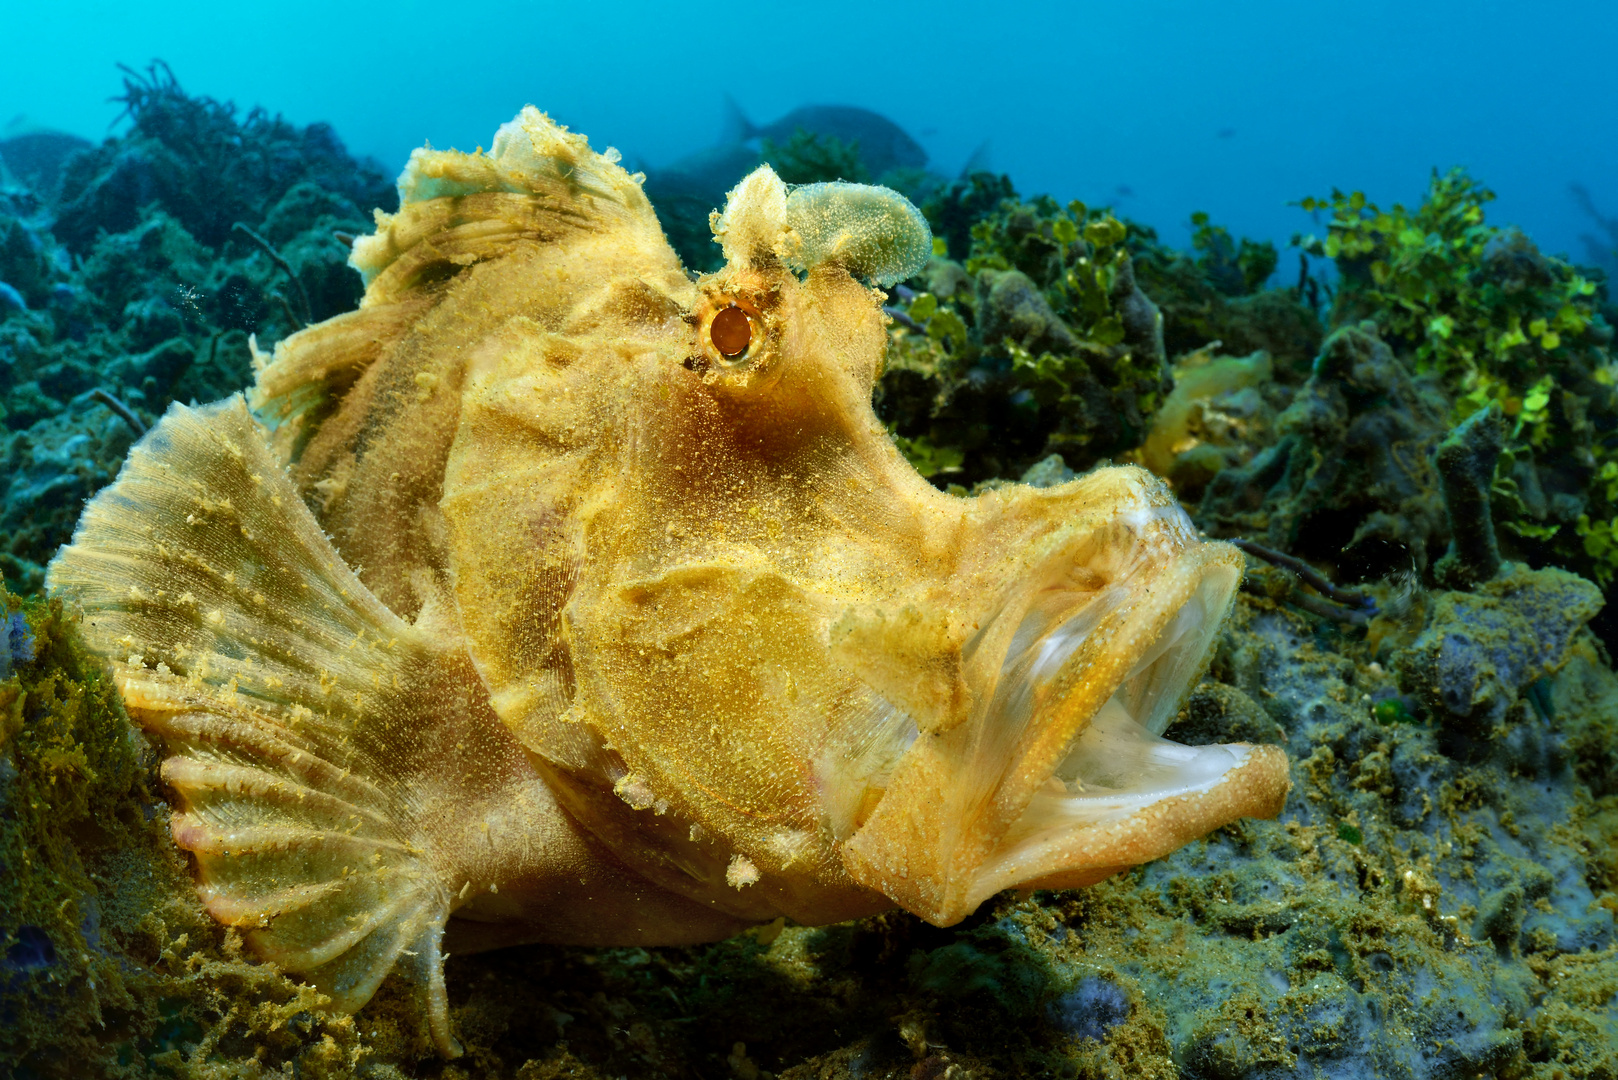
point(1159, 107)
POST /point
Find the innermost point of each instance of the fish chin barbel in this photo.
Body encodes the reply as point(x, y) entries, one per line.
point(658, 636)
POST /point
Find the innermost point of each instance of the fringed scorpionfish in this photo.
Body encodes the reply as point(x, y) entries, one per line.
point(559, 595)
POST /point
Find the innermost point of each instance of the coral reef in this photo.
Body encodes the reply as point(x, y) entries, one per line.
point(108, 965)
point(1466, 461)
point(1418, 909)
point(1479, 314)
point(1347, 477)
point(1216, 416)
point(196, 159)
point(141, 271)
point(1054, 332)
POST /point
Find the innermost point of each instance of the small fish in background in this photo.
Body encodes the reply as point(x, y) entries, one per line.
point(884, 145)
point(703, 176)
point(1124, 191)
point(1225, 133)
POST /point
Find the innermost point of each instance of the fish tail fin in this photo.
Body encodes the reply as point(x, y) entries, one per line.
point(736, 126)
point(302, 717)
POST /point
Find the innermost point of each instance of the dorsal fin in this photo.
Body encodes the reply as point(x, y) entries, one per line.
point(539, 182)
point(311, 370)
point(364, 406)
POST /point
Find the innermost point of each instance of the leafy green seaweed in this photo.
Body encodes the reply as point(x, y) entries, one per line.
point(1479, 308)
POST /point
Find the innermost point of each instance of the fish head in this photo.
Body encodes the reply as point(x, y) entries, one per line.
point(951, 696)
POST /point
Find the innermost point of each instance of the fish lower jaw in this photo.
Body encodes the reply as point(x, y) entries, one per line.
point(1066, 841)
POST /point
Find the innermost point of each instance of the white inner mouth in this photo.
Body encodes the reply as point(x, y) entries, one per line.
point(1119, 762)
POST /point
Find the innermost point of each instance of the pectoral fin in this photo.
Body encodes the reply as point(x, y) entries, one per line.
point(323, 752)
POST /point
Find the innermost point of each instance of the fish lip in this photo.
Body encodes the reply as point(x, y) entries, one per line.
point(1105, 586)
point(1148, 633)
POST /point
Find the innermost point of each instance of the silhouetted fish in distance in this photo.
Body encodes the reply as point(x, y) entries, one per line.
point(710, 172)
point(706, 174)
point(884, 145)
point(686, 190)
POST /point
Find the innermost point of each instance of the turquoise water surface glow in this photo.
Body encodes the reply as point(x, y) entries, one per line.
point(1160, 107)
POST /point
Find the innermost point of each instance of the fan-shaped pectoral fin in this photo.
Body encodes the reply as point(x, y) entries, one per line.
point(330, 764)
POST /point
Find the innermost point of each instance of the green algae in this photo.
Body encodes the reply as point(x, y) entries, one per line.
point(1495, 323)
point(810, 157)
point(1392, 710)
point(1051, 329)
point(139, 285)
point(1040, 343)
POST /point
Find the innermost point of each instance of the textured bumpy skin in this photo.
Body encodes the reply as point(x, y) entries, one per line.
point(517, 610)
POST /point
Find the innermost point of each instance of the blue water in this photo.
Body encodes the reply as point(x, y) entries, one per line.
point(1159, 107)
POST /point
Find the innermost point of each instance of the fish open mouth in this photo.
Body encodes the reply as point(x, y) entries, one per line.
point(1061, 776)
point(1117, 763)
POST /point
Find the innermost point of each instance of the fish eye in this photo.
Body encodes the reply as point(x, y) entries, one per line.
point(731, 332)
